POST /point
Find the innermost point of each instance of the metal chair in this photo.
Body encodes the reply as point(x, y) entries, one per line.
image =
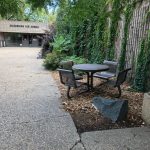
point(67, 65)
point(121, 78)
point(67, 78)
point(110, 73)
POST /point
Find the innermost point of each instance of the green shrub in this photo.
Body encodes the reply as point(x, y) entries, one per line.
point(62, 44)
point(75, 59)
point(52, 61)
point(140, 69)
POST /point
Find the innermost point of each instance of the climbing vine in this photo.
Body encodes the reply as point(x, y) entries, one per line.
point(92, 28)
point(140, 71)
point(87, 22)
point(114, 18)
point(142, 62)
point(142, 76)
point(128, 16)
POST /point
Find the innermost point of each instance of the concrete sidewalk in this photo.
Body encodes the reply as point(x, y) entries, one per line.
point(31, 117)
point(117, 139)
point(30, 114)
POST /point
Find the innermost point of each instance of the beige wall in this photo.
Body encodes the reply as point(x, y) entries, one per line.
point(23, 27)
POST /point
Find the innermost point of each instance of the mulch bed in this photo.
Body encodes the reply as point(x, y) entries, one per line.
point(86, 118)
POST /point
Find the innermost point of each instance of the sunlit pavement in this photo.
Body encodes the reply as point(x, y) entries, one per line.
point(30, 114)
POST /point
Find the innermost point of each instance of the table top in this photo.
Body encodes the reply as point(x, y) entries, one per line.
point(90, 67)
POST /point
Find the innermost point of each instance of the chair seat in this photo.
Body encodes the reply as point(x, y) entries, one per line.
point(104, 75)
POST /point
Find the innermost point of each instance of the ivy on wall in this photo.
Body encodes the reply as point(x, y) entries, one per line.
point(128, 16)
point(92, 25)
point(87, 23)
point(142, 75)
point(114, 18)
point(143, 61)
point(140, 69)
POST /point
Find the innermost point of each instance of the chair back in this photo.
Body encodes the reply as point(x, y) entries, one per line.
point(67, 65)
point(67, 77)
point(112, 66)
point(122, 77)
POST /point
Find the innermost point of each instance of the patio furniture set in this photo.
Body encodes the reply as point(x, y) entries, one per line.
point(106, 71)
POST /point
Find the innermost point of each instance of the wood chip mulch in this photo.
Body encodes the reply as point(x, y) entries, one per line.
point(86, 118)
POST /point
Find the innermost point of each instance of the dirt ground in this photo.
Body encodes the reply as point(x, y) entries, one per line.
point(86, 118)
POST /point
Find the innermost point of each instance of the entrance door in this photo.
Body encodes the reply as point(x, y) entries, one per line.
point(30, 40)
point(25, 41)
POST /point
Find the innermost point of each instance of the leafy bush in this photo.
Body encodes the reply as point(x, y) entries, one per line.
point(75, 59)
point(52, 61)
point(62, 44)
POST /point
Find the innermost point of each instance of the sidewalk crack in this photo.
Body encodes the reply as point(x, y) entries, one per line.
point(78, 142)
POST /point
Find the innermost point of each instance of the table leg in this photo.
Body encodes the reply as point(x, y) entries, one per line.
point(91, 80)
point(88, 80)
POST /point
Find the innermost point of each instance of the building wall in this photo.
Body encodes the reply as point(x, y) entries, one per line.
point(12, 33)
point(23, 27)
point(138, 29)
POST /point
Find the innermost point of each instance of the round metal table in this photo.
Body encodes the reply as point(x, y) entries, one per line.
point(90, 69)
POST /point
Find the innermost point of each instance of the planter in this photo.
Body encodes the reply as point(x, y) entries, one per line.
point(146, 108)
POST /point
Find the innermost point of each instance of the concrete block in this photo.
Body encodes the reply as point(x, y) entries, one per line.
point(117, 139)
point(146, 108)
point(116, 110)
